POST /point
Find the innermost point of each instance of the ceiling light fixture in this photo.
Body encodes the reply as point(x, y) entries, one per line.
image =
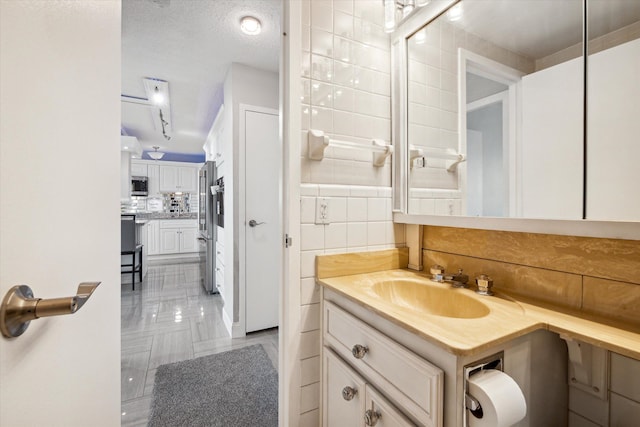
point(155, 155)
point(158, 97)
point(164, 124)
point(397, 10)
point(250, 25)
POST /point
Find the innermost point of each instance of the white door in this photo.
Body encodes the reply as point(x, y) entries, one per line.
point(60, 130)
point(263, 199)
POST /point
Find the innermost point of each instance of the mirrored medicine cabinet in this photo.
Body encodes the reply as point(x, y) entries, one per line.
point(501, 120)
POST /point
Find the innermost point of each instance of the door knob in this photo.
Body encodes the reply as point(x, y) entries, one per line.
point(348, 393)
point(19, 307)
point(359, 351)
point(254, 223)
point(371, 417)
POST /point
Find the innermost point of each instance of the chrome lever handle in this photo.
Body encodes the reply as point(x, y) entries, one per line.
point(254, 223)
point(19, 307)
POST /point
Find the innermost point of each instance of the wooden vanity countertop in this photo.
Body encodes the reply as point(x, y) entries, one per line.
point(509, 317)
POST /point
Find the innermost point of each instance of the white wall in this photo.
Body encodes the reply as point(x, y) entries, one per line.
point(243, 85)
point(488, 121)
point(613, 133)
point(60, 133)
point(552, 138)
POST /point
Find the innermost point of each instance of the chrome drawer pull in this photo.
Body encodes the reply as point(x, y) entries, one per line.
point(359, 351)
point(371, 417)
point(348, 393)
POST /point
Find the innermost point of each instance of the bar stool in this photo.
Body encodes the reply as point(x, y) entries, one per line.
point(129, 247)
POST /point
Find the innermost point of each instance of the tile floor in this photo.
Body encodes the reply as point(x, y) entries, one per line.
point(169, 318)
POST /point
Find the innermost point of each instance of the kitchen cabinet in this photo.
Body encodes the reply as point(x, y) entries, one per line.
point(153, 231)
point(178, 179)
point(220, 264)
point(178, 236)
point(138, 169)
point(153, 173)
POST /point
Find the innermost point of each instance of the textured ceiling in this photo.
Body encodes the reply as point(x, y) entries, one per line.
point(190, 44)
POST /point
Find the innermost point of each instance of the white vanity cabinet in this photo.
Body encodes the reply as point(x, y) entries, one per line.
point(351, 401)
point(423, 380)
point(409, 381)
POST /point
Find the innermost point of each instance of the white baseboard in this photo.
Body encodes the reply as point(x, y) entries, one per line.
point(233, 329)
point(174, 258)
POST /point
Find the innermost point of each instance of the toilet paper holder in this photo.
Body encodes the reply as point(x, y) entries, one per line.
point(471, 403)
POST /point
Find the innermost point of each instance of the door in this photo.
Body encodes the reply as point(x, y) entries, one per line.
point(60, 129)
point(263, 227)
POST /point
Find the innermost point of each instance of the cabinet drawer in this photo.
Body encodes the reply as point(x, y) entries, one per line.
point(414, 384)
point(179, 223)
point(220, 277)
point(220, 253)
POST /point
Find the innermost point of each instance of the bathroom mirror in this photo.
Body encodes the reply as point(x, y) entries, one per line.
point(494, 129)
point(613, 110)
point(491, 122)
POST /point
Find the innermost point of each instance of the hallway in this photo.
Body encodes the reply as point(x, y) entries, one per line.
point(169, 318)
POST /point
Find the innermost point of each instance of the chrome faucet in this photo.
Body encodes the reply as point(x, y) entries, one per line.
point(459, 280)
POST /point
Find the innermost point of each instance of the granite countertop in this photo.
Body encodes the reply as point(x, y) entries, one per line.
point(162, 215)
point(509, 317)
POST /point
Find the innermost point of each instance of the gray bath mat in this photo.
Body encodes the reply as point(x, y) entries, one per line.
point(232, 389)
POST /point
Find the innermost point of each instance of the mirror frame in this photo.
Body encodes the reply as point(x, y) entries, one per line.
point(399, 117)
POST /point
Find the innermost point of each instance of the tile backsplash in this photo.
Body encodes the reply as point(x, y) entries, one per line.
point(592, 275)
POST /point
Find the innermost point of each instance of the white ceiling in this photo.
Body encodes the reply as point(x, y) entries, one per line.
point(537, 28)
point(190, 44)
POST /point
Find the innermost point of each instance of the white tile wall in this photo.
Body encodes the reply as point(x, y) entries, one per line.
point(346, 92)
point(346, 89)
point(621, 408)
point(360, 219)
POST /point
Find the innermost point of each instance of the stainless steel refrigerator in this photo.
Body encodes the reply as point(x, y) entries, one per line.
point(207, 225)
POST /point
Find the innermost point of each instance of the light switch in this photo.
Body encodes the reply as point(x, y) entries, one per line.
point(322, 210)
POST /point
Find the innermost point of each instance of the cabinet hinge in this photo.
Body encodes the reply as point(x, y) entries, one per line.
point(288, 241)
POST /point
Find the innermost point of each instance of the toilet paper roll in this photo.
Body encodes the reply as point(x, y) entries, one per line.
point(502, 401)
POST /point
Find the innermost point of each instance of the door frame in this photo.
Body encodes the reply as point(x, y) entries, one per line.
point(490, 69)
point(289, 377)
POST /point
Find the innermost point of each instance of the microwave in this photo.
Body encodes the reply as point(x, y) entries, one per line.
point(139, 186)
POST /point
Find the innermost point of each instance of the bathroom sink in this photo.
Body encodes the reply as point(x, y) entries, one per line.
point(430, 299)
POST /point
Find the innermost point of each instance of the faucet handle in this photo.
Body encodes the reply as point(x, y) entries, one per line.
point(485, 283)
point(437, 273)
point(459, 280)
